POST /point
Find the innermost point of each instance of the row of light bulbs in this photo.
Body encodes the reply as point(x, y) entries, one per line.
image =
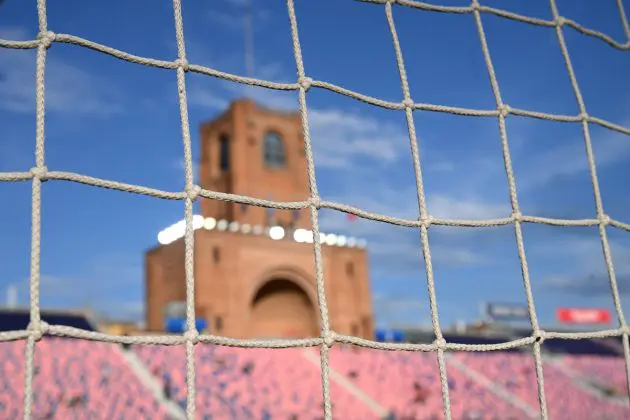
point(276, 233)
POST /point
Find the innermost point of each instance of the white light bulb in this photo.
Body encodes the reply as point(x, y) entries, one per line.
point(210, 223)
point(246, 228)
point(298, 235)
point(331, 239)
point(322, 238)
point(308, 236)
point(276, 233)
point(178, 230)
point(222, 225)
point(234, 227)
point(257, 230)
point(341, 240)
point(169, 234)
point(352, 242)
point(197, 222)
point(163, 237)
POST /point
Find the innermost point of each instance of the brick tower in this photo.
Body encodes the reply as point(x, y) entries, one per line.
point(254, 267)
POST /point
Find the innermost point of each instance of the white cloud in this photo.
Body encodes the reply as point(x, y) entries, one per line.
point(235, 20)
point(457, 256)
point(239, 3)
point(207, 99)
point(340, 138)
point(69, 89)
point(441, 166)
point(570, 159)
point(584, 271)
point(180, 166)
point(449, 207)
point(397, 311)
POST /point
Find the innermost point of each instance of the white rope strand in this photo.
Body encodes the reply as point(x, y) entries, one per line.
point(601, 214)
point(424, 213)
point(518, 230)
point(45, 41)
point(305, 84)
point(191, 192)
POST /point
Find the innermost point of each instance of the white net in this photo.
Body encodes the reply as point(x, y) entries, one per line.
point(40, 173)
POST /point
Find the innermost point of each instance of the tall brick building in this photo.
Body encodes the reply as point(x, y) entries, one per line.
point(254, 268)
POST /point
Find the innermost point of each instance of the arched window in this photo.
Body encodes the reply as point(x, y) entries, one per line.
point(350, 269)
point(274, 150)
point(224, 153)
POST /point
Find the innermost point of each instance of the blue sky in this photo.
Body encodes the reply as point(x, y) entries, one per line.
point(120, 121)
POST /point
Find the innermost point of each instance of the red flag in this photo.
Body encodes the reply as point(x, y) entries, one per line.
point(352, 217)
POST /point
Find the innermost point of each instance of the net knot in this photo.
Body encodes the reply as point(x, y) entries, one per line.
point(440, 343)
point(47, 38)
point(408, 103)
point(504, 110)
point(560, 21)
point(39, 172)
point(426, 222)
point(315, 202)
point(182, 63)
point(604, 219)
point(625, 330)
point(584, 116)
point(192, 335)
point(305, 83)
point(517, 216)
point(38, 329)
point(475, 5)
point(193, 192)
point(329, 340)
point(539, 336)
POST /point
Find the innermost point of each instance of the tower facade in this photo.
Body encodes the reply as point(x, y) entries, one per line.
point(257, 152)
point(248, 282)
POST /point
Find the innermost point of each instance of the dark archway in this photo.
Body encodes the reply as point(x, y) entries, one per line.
point(282, 309)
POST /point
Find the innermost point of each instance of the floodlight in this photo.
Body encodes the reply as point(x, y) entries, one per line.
point(341, 240)
point(222, 225)
point(210, 223)
point(163, 237)
point(246, 228)
point(234, 227)
point(299, 235)
point(331, 239)
point(308, 236)
point(322, 238)
point(175, 231)
point(197, 222)
point(276, 233)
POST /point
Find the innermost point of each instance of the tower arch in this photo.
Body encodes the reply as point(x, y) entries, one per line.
point(283, 305)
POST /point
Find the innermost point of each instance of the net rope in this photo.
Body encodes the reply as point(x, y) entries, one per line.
point(40, 173)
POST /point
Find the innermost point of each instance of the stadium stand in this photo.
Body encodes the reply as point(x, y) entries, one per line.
point(92, 380)
point(565, 398)
point(74, 379)
point(409, 385)
point(237, 383)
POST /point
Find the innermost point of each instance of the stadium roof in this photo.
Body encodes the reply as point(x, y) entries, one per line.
point(18, 319)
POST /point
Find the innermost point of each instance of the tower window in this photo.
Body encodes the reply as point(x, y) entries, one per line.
point(224, 153)
point(219, 324)
point(274, 150)
point(350, 269)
